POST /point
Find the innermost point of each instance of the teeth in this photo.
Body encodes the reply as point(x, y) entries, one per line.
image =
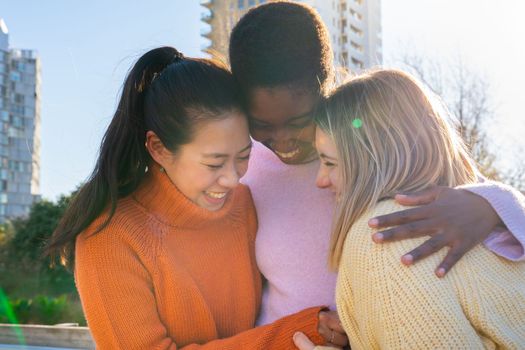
point(288, 154)
point(217, 195)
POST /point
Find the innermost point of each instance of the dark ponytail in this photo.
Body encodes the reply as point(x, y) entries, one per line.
point(159, 93)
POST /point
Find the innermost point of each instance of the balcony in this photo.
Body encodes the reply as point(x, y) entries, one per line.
point(207, 17)
point(207, 3)
point(206, 32)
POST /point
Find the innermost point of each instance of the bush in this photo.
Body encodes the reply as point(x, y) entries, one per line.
point(41, 310)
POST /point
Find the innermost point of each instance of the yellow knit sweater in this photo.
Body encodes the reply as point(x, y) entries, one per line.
point(386, 305)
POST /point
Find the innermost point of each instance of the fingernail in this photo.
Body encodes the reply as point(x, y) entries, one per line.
point(441, 272)
point(407, 259)
point(295, 335)
point(377, 237)
point(373, 222)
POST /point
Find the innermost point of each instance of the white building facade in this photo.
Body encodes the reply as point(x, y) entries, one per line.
point(19, 129)
point(354, 27)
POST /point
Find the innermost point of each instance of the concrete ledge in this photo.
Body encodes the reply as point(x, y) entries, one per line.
point(51, 336)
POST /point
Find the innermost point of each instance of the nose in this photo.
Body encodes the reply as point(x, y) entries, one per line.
point(230, 177)
point(282, 139)
point(322, 181)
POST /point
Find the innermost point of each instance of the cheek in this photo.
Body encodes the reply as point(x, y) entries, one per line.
point(259, 135)
point(307, 134)
point(199, 178)
point(242, 168)
point(335, 179)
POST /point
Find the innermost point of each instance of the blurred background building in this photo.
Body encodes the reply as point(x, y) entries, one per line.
point(19, 128)
point(354, 26)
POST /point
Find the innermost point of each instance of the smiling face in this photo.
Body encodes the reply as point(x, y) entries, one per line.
point(208, 168)
point(281, 119)
point(328, 176)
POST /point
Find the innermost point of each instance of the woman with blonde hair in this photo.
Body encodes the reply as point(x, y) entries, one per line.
point(380, 134)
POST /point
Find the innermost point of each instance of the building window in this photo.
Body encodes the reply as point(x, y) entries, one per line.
point(356, 15)
point(251, 3)
point(356, 31)
point(19, 98)
point(15, 76)
point(3, 185)
point(357, 63)
point(344, 57)
point(240, 4)
point(356, 46)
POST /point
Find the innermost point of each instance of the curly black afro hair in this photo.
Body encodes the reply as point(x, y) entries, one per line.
point(281, 44)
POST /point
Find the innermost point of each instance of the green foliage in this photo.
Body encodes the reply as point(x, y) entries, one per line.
point(41, 310)
point(32, 232)
point(38, 292)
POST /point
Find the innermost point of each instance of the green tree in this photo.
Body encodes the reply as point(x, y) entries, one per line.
point(25, 249)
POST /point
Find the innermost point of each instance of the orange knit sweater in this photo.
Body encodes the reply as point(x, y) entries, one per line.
point(167, 274)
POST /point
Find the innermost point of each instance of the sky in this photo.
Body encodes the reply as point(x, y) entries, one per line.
point(86, 48)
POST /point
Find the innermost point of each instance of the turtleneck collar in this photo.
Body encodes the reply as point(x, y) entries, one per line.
point(162, 199)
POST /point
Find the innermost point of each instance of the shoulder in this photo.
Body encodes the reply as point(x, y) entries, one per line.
point(130, 228)
point(363, 258)
point(359, 249)
point(245, 208)
point(384, 207)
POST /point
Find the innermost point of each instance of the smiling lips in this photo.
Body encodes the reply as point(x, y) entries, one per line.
point(287, 155)
point(216, 195)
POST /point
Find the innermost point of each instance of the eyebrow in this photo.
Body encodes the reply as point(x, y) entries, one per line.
point(322, 155)
point(223, 155)
point(293, 119)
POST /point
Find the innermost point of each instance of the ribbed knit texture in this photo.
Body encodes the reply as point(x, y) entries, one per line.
point(294, 231)
point(167, 274)
point(509, 203)
point(385, 305)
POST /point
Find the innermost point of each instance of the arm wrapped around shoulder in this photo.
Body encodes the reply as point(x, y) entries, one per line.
point(386, 305)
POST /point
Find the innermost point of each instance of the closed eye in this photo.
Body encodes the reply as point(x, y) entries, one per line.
point(214, 166)
point(300, 125)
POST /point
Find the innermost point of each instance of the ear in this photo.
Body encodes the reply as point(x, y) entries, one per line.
point(156, 149)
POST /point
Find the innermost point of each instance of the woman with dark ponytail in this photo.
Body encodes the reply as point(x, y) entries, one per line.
point(162, 235)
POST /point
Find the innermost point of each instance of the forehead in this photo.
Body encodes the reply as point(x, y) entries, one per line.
point(225, 135)
point(324, 143)
point(279, 104)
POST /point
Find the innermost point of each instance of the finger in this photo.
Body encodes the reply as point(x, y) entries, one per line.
point(333, 337)
point(429, 247)
point(419, 198)
point(408, 230)
point(398, 218)
point(453, 256)
point(331, 319)
point(302, 341)
point(339, 340)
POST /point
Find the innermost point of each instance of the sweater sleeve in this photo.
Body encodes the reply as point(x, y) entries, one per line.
point(386, 305)
point(119, 302)
point(509, 204)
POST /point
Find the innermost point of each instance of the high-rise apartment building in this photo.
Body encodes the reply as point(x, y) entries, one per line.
point(19, 128)
point(354, 27)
